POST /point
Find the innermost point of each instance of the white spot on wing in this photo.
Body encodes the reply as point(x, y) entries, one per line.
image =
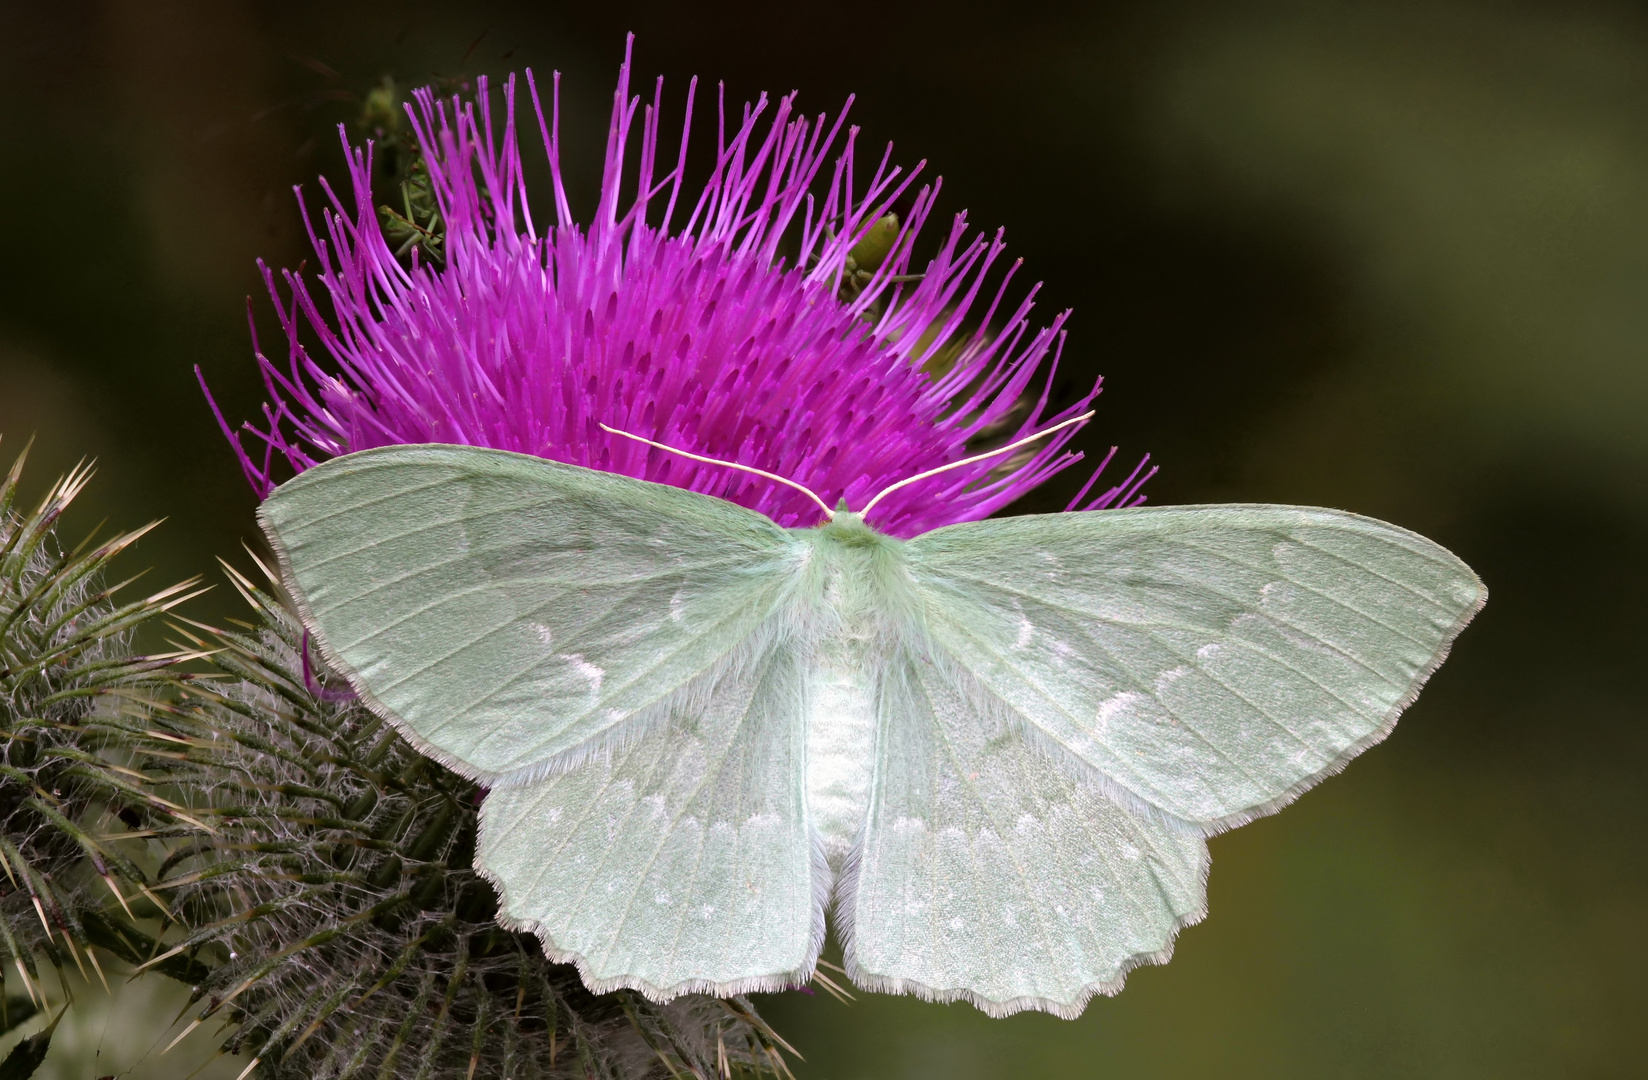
point(1169, 677)
point(1111, 707)
point(589, 671)
point(1027, 630)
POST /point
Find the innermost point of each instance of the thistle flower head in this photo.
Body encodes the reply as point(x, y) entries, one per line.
point(776, 317)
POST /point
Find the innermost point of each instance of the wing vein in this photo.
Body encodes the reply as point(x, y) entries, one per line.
point(677, 815)
point(1136, 681)
point(1311, 588)
point(1005, 835)
point(1366, 569)
point(353, 507)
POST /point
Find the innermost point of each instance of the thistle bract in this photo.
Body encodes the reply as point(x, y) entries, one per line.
point(736, 322)
point(72, 690)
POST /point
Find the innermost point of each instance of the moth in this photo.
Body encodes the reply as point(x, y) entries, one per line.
point(995, 750)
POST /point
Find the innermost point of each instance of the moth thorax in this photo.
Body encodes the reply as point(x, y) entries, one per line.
point(863, 576)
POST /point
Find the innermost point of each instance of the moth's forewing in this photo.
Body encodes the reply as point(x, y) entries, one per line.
point(505, 611)
point(1213, 661)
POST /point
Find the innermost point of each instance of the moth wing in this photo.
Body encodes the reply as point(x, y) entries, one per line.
point(503, 610)
point(682, 861)
point(1210, 661)
point(991, 872)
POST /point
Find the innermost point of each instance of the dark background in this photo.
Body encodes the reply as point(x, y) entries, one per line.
point(1388, 257)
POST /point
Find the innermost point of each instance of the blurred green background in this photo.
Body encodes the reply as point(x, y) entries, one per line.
point(1389, 257)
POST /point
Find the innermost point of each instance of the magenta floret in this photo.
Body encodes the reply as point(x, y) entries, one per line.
point(703, 336)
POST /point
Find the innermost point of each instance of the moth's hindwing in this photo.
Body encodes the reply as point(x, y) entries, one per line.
point(682, 861)
point(990, 874)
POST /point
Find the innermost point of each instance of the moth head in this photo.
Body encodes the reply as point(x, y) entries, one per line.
point(841, 514)
point(846, 527)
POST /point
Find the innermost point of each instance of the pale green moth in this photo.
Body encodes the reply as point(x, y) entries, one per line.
point(996, 749)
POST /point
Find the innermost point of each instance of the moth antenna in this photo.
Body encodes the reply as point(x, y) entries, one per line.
point(886, 491)
point(822, 505)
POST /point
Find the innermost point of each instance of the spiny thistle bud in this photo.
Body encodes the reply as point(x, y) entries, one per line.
point(70, 689)
point(328, 888)
point(407, 208)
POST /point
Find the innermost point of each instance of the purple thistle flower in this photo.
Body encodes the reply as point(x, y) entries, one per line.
point(729, 336)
